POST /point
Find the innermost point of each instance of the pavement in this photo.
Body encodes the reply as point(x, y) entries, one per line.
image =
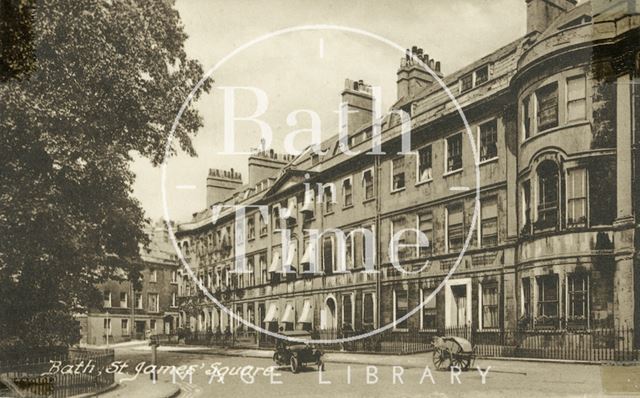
point(507, 378)
point(348, 375)
point(143, 387)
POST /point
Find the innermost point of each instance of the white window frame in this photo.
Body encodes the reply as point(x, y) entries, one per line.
point(126, 330)
point(107, 330)
point(110, 305)
point(174, 300)
point(277, 222)
point(566, 97)
point(375, 315)
point(422, 308)
point(430, 238)
point(481, 305)
point(418, 180)
point(139, 304)
point(446, 154)
point(364, 187)
point(154, 276)
point(332, 199)
point(157, 306)
point(174, 277)
point(586, 194)
point(479, 141)
point(395, 326)
point(588, 299)
point(351, 297)
point(392, 168)
point(126, 300)
point(480, 219)
point(344, 201)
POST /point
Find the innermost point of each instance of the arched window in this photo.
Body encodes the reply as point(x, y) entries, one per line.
point(548, 180)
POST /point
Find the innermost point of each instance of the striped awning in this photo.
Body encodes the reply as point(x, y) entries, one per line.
point(307, 313)
point(291, 255)
point(275, 265)
point(289, 313)
point(309, 196)
point(291, 209)
point(272, 313)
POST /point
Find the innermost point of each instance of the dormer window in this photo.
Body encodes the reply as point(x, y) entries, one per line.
point(474, 79)
point(466, 83)
point(482, 75)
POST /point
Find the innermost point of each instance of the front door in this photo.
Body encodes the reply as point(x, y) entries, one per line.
point(140, 328)
point(460, 302)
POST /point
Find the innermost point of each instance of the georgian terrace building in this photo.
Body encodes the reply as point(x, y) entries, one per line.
point(554, 117)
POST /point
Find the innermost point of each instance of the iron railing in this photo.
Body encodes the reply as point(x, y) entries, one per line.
point(593, 345)
point(30, 374)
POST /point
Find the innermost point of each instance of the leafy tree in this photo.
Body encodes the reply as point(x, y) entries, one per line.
point(84, 85)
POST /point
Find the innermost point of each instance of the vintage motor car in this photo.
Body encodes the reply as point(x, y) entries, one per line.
point(297, 354)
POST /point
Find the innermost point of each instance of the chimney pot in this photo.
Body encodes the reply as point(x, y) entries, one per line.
point(438, 66)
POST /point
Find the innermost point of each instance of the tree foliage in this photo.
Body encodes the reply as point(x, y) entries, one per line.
point(84, 86)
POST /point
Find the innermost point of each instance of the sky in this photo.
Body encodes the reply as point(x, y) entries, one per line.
point(307, 70)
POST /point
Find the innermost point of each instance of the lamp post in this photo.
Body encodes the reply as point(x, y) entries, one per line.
point(108, 328)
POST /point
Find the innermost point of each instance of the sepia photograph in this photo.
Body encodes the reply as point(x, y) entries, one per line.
point(373, 198)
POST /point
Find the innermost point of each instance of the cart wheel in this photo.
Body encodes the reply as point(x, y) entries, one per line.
point(294, 364)
point(461, 362)
point(441, 358)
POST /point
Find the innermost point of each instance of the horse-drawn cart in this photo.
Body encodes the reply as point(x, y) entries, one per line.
point(450, 351)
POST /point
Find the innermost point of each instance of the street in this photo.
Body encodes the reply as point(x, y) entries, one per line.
point(252, 376)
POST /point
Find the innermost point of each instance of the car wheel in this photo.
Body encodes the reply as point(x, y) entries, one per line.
point(276, 358)
point(294, 364)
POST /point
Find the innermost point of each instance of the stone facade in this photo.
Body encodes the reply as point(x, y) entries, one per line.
point(553, 118)
point(131, 313)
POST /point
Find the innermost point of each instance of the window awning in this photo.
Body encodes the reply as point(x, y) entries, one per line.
point(291, 255)
point(288, 314)
point(224, 237)
point(291, 209)
point(307, 313)
point(308, 253)
point(272, 313)
point(275, 265)
point(309, 196)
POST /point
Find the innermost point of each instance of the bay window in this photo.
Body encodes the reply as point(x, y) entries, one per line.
point(548, 301)
point(577, 197)
point(577, 300)
point(547, 101)
point(576, 98)
point(547, 195)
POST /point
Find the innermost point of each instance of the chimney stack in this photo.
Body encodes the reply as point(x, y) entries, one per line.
point(266, 163)
point(541, 13)
point(412, 76)
point(358, 97)
point(221, 184)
